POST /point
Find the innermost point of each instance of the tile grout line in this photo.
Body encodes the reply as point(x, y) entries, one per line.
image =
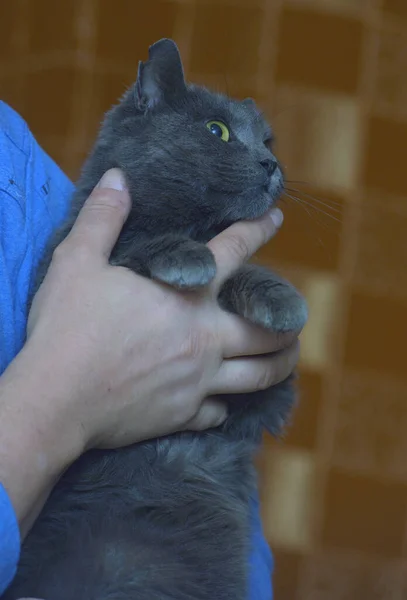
point(333, 376)
point(85, 58)
point(183, 31)
point(20, 45)
point(268, 50)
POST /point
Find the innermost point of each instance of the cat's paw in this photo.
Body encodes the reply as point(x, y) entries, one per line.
point(187, 266)
point(287, 312)
point(265, 299)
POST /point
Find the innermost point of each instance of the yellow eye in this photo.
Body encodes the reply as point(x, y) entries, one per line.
point(219, 129)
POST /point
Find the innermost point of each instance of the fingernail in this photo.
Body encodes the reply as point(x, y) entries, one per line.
point(113, 180)
point(277, 217)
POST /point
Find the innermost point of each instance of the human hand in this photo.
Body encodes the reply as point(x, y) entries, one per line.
point(128, 359)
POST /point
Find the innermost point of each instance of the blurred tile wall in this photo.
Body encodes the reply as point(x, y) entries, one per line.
point(332, 76)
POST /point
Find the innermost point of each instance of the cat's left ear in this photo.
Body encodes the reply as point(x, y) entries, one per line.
point(161, 78)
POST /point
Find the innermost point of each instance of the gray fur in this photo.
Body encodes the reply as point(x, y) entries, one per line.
point(169, 519)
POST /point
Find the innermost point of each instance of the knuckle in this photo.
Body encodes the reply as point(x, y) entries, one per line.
point(197, 343)
point(191, 349)
point(69, 253)
point(237, 245)
point(265, 231)
point(107, 200)
point(267, 376)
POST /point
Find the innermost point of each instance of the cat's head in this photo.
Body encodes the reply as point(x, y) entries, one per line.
point(199, 156)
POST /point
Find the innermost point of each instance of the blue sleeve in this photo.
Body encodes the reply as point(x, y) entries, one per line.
point(261, 560)
point(9, 541)
point(34, 198)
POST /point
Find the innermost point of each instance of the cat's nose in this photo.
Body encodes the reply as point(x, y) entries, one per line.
point(270, 165)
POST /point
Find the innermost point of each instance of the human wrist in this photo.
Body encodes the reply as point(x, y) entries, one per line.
point(37, 442)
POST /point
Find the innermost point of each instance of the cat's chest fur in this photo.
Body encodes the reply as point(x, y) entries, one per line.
point(161, 520)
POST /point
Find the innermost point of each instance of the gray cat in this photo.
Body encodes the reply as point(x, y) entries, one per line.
point(169, 519)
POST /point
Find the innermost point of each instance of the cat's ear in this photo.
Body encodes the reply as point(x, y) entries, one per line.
point(161, 78)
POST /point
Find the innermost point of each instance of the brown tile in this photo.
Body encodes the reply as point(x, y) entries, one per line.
point(386, 146)
point(390, 91)
point(319, 49)
point(303, 431)
point(403, 595)
point(55, 148)
point(49, 102)
point(136, 26)
point(51, 26)
point(226, 40)
point(382, 250)
point(377, 328)
point(311, 235)
point(397, 8)
point(371, 425)
point(319, 137)
point(285, 574)
point(364, 514)
point(72, 164)
point(238, 88)
point(12, 91)
point(350, 576)
point(107, 89)
point(288, 496)
point(9, 15)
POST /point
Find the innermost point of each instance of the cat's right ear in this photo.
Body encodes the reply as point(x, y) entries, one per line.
point(161, 77)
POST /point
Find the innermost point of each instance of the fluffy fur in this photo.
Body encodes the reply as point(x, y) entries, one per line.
point(169, 519)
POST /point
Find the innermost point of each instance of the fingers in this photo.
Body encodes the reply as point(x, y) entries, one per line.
point(211, 413)
point(240, 241)
point(103, 215)
point(241, 338)
point(242, 375)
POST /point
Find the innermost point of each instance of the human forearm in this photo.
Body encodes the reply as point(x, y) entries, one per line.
point(34, 448)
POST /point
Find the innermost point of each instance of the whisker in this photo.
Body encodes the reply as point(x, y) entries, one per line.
point(330, 201)
point(300, 182)
point(317, 209)
point(322, 212)
point(312, 217)
point(318, 200)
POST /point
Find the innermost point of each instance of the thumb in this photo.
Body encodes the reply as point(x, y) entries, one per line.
point(212, 413)
point(236, 244)
point(103, 215)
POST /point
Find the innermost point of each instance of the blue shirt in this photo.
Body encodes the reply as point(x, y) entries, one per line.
point(34, 199)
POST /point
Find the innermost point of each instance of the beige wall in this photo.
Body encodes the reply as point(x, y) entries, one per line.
point(331, 75)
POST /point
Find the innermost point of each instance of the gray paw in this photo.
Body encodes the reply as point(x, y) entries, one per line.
point(287, 312)
point(188, 266)
point(265, 299)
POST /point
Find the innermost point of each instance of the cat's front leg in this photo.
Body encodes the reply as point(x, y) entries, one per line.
point(262, 297)
point(172, 259)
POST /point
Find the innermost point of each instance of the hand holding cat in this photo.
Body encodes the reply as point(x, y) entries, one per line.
point(113, 358)
point(138, 359)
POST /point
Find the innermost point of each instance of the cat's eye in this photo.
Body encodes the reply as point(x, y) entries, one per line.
point(219, 129)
